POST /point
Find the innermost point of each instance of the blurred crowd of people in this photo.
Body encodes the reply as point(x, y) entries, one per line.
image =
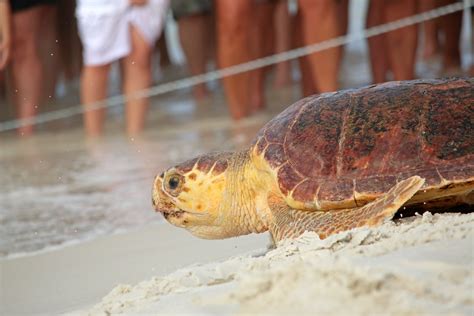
point(228, 32)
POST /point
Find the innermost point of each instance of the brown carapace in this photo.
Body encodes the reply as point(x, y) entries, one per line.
point(333, 162)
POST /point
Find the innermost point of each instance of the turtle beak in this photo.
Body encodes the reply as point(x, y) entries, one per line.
point(157, 196)
point(154, 192)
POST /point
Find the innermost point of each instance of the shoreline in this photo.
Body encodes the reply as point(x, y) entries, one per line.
point(77, 276)
point(69, 243)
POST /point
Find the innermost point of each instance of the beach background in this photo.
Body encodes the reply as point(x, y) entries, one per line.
point(78, 233)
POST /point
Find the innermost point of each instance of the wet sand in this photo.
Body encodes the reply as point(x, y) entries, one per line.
point(77, 276)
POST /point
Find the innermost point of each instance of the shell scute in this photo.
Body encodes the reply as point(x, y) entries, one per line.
point(431, 176)
point(375, 185)
point(339, 190)
point(187, 166)
point(261, 145)
point(372, 129)
point(306, 191)
point(276, 130)
point(275, 133)
point(313, 142)
point(275, 155)
point(288, 178)
point(449, 126)
point(205, 163)
point(217, 161)
point(220, 166)
point(463, 172)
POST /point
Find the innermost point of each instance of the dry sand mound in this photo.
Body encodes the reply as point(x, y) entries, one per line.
point(422, 265)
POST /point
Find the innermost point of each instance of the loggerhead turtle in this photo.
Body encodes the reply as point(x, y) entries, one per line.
point(332, 162)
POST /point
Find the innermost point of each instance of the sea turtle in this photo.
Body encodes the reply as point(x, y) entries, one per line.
point(332, 162)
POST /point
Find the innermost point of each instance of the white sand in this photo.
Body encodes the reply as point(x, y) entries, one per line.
point(422, 266)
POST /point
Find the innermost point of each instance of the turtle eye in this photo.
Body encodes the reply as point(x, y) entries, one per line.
point(173, 182)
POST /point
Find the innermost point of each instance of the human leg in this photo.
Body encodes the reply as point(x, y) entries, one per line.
point(261, 44)
point(451, 27)
point(26, 66)
point(94, 82)
point(283, 27)
point(194, 40)
point(49, 51)
point(136, 77)
point(307, 82)
point(343, 12)
point(377, 44)
point(430, 32)
point(401, 43)
point(233, 19)
point(325, 64)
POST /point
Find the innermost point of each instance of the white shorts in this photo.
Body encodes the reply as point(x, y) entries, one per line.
point(104, 27)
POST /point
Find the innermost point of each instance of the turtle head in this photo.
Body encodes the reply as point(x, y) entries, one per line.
point(189, 194)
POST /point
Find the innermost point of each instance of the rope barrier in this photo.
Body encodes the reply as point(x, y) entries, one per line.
point(240, 68)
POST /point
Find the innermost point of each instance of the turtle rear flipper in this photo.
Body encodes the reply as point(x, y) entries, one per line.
point(288, 223)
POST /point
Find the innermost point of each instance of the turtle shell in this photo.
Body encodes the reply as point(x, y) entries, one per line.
point(343, 149)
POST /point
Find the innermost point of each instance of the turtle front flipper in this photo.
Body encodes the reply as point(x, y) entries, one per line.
point(290, 223)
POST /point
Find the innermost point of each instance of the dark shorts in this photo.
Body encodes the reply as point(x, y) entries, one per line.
point(18, 5)
point(182, 8)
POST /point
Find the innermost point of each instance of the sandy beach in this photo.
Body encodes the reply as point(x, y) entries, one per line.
point(420, 267)
point(417, 266)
